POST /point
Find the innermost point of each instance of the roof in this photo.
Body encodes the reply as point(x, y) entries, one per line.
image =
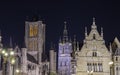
point(31, 59)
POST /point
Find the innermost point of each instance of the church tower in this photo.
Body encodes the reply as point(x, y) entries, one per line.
point(93, 58)
point(35, 38)
point(64, 54)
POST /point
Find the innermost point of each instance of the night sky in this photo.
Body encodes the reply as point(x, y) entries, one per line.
point(53, 13)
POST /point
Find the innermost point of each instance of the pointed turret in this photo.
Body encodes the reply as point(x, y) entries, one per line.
point(93, 24)
point(78, 46)
point(60, 40)
point(74, 43)
point(101, 32)
point(85, 31)
point(65, 33)
point(110, 47)
point(117, 42)
point(10, 43)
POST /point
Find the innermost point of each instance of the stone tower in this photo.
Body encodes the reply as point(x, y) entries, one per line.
point(52, 60)
point(64, 54)
point(93, 58)
point(35, 39)
point(116, 58)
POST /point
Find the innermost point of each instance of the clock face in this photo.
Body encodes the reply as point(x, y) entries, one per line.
point(33, 30)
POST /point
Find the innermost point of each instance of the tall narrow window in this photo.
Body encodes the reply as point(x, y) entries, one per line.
point(95, 67)
point(117, 71)
point(101, 67)
point(88, 66)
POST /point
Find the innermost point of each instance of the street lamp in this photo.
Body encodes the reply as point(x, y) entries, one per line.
point(8, 56)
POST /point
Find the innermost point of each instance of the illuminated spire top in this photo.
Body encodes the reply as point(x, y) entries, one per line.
point(65, 32)
point(93, 25)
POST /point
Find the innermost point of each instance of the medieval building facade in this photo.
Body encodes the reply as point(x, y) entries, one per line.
point(93, 57)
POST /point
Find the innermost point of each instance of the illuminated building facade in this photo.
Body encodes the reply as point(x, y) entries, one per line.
point(64, 54)
point(93, 57)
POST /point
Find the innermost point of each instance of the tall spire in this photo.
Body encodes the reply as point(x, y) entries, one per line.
point(65, 32)
point(93, 24)
point(60, 40)
point(10, 42)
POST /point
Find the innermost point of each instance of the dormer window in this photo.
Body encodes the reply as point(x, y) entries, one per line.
point(94, 54)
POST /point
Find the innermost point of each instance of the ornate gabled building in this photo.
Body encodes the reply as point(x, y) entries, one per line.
point(94, 56)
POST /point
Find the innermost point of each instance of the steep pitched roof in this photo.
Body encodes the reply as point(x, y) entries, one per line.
point(31, 59)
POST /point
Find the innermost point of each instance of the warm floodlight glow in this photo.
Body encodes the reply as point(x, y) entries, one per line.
point(90, 72)
point(110, 63)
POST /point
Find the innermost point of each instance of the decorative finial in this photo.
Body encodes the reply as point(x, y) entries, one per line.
point(101, 31)
point(77, 46)
point(93, 21)
point(93, 25)
point(65, 33)
point(85, 31)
